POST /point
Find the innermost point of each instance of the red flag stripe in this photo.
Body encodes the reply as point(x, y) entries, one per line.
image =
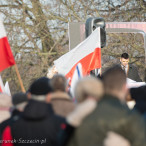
point(89, 62)
point(1, 89)
point(6, 56)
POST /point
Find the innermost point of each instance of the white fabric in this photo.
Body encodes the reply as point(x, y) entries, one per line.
point(81, 111)
point(7, 89)
point(2, 30)
point(68, 60)
point(134, 84)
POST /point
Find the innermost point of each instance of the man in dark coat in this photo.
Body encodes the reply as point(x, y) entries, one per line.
point(38, 125)
point(111, 114)
point(130, 70)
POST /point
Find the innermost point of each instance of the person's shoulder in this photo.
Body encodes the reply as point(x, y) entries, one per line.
point(131, 66)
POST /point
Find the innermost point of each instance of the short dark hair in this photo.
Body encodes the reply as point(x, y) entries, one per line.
point(59, 83)
point(125, 56)
point(114, 78)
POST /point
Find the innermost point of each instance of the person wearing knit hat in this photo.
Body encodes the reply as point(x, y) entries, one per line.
point(88, 91)
point(5, 105)
point(38, 123)
point(110, 113)
point(40, 89)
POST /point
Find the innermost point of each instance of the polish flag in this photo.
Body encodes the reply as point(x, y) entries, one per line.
point(6, 56)
point(87, 53)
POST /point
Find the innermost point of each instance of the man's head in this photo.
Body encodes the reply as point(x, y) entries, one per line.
point(124, 59)
point(114, 80)
point(59, 83)
point(88, 87)
point(40, 89)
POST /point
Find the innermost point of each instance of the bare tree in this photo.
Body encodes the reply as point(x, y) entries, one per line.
point(37, 31)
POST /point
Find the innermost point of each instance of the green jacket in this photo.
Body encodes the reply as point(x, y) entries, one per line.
point(110, 115)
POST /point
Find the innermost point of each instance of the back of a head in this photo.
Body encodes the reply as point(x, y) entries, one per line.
point(114, 79)
point(88, 86)
point(125, 56)
point(59, 83)
point(41, 86)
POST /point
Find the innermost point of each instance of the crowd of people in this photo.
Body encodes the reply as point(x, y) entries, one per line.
point(47, 115)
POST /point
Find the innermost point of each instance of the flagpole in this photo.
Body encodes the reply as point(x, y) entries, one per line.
point(19, 78)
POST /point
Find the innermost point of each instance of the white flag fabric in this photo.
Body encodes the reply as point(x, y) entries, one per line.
point(7, 89)
point(133, 84)
point(88, 53)
point(6, 55)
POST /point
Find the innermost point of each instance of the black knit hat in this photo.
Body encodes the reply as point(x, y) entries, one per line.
point(19, 98)
point(41, 86)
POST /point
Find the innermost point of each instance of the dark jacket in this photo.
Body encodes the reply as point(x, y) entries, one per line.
point(62, 104)
point(133, 73)
point(139, 95)
point(110, 115)
point(38, 125)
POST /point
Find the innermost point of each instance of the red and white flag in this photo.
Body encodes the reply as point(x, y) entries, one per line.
point(6, 56)
point(87, 53)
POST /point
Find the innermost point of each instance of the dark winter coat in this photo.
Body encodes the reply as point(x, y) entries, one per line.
point(110, 115)
point(38, 126)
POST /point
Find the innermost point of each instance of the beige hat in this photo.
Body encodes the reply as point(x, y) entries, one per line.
point(88, 86)
point(5, 105)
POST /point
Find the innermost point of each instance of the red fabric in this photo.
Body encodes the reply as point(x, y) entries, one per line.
point(1, 89)
point(90, 62)
point(7, 138)
point(6, 56)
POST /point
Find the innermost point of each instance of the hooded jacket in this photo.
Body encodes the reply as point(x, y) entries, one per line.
point(38, 126)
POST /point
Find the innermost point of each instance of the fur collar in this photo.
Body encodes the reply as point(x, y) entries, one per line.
point(60, 95)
